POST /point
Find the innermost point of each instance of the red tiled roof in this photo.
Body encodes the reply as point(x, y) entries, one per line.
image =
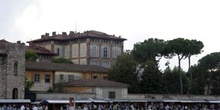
point(95, 83)
point(3, 43)
point(48, 66)
point(72, 35)
point(39, 50)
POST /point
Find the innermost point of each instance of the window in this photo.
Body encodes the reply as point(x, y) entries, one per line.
point(83, 51)
point(36, 77)
point(15, 68)
point(58, 51)
point(94, 62)
point(15, 93)
point(105, 64)
point(105, 52)
point(47, 78)
point(95, 77)
point(116, 51)
point(70, 77)
point(94, 51)
point(111, 95)
point(75, 51)
point(61, 77)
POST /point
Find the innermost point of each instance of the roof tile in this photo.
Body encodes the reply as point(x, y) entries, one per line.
point(95, 83)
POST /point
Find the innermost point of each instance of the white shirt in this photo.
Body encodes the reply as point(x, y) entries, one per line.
point(35, 108)
point(22, 107)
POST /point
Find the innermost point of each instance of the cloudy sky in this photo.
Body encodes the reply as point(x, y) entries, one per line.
point(135, 20)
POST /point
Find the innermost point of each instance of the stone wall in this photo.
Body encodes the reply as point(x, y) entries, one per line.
point(13, 71)
point(3, 72)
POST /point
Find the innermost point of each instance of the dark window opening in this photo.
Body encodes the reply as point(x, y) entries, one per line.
point(111, 95)
point(16, 69)
point(47, 78)
point(15, 93)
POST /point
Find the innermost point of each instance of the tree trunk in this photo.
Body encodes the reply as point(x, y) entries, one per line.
point(190, 73)
point(181, 82)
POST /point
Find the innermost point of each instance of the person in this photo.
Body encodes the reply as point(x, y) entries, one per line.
point(34, 108)
point(22, 107)
point(46, 108)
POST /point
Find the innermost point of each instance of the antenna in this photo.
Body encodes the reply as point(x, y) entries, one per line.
point(75, 27)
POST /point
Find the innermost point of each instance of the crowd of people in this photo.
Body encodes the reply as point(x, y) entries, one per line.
point(23, 107)
point(145, 106)
point(115, 106)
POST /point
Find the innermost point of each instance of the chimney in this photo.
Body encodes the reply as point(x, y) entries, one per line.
point(42, 37)
point(71, 33)
point(18, 42)
point(46, 34)
point(54, 33)
point(64, 33)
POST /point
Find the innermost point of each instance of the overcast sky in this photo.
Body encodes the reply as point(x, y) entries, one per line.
point(135, 20)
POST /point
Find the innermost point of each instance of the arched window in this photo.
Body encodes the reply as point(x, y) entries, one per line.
point(116, 51)
point(105, 52)
point(94, 51)
point(15, 68)
point(15, 93)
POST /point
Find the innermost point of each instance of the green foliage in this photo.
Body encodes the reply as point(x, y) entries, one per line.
point(124, 71)
point(194, 47)
point(62, 60)
point(210, 65)
point(210, 61)
point(149, 50)
point(151, 79)
point(59, 87)
point(146, 55)
point(28, 84)
point(180, 48)
point(177, 47)
point(215, 83)
point(171, 83)
point(30, 56)
point(198, 81)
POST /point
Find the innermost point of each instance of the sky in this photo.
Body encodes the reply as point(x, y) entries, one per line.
point(135, 20)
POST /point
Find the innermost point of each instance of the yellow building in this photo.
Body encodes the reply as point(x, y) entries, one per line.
point(46, 74)
point(87, 48)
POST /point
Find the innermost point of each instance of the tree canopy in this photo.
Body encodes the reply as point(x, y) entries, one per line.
point(124, 71)
point(30, 56)
point(140, 67)
point(149, 50)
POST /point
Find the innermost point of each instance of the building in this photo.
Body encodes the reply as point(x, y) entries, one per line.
point(46, 74)
point(87, 48)
point(80, 81)
point(12, 69)
point(44, 55)
point(103, 89)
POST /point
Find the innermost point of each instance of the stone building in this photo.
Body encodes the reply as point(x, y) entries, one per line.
point(12, 70)
point(87, 48)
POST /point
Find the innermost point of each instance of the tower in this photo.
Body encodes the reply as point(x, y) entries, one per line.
point(12, 70)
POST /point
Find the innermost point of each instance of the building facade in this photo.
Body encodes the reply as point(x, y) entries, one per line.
point(46, 74)
point(12, 69)
point(87, 48)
